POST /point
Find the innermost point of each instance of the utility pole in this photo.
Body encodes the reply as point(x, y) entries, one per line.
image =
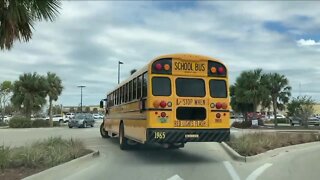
point(81, 86)
point(119, 63)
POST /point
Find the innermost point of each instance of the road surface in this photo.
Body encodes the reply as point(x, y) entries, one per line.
point(195, 161)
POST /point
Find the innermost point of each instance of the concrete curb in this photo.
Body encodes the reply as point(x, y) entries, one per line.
point(51, 172)
point(234, 155)
point(271, 153)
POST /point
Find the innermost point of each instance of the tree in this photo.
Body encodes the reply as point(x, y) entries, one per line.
point(55, 110)
point(95, 110)
point(87, 109)
point(17, 18)
point(243, 108)
point(133, 71)
point(301, 107)
point(5, 94)
point(29, 93)
point(248, 88)
point(54, 91)
point(279, 91)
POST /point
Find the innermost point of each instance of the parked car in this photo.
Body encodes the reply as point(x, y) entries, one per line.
point(279, 116)
point(298, 121)
point(70, 115)
point(98, 116)
point(81, 120)
point(6, 119)
point(57, 118)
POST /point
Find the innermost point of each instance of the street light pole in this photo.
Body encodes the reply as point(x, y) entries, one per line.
point(119, 62)
point(81, 95)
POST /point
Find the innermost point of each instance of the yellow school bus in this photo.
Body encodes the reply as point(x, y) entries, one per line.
point(174, 99)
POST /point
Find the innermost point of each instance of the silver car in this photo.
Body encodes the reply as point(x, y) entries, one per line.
point(81, 120)
point(298, 121)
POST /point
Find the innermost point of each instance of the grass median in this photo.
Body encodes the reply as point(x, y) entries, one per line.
point(256, 143)
point(19, 162)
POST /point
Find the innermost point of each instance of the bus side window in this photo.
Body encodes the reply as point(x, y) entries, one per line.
point(134, 91)
point(145, 85)
point(130, 91)
point(139, 87)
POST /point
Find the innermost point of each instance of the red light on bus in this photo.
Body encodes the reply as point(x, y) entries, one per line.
point(221, 70)
point(224, 106)
point(163, 114)
point(158, 66)
point(218, 105)
point(163, 104)
point(218, 115)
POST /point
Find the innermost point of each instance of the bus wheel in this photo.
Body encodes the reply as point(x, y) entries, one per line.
point(123, 141)
point(103, 133)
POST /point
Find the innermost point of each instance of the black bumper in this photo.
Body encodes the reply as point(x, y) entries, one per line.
point(187, 135)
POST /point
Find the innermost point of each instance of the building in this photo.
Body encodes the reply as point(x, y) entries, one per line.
point(93, 108)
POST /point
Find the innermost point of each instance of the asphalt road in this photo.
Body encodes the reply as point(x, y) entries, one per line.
point(195, 161)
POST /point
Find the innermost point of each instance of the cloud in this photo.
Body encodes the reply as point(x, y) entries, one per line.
point(85, 43)
point(308, 42)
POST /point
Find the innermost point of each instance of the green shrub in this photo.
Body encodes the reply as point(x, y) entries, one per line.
point(3, 124)
point(56, 124)
point(281, 120)
point(4, 156)
point(242, 125)
point(20, 122)
point(40, 123)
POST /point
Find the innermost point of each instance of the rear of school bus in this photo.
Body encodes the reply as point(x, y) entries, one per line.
point(187, 100)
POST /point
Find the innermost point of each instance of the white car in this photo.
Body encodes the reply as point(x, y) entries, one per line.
point(70, 115)
point(97, 116)
point(6, 119)
point(279, 116)
point(57, 118)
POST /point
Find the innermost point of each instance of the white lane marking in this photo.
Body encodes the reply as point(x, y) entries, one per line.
point(175, 177)
point(256, 173)
point(231, 170)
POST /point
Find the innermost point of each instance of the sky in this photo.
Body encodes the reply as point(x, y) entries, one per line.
point(84, 44)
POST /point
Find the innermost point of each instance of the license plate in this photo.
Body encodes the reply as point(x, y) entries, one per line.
point(191, 124)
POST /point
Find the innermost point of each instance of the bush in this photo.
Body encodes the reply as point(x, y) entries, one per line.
point(40, 123)
point(4, 156)
point(20, 122)
point(242, 125)
point(255, 143)
point(3, 124)
point(282, 120)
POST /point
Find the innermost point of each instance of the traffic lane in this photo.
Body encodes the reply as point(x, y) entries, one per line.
point(295, 165)
point(196, 160)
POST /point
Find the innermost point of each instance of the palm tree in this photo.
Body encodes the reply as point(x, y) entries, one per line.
point(279, 91)
point(29, 93)
point(248, 88)
point(18, 16)
point(54, 91)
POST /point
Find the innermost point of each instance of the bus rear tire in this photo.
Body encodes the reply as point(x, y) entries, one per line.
point(123, 141)
point(103, 133)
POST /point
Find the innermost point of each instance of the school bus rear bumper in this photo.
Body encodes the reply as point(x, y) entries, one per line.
point(187, 135)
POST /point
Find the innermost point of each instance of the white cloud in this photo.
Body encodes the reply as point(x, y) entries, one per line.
point(308, 42)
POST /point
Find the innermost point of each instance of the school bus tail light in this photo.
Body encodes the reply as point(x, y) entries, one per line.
point(169, 104)
point(224, 105)
point(163, 104)
point(218, 115)
point(156, 103)
point(163, 114)
point(219, 105)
